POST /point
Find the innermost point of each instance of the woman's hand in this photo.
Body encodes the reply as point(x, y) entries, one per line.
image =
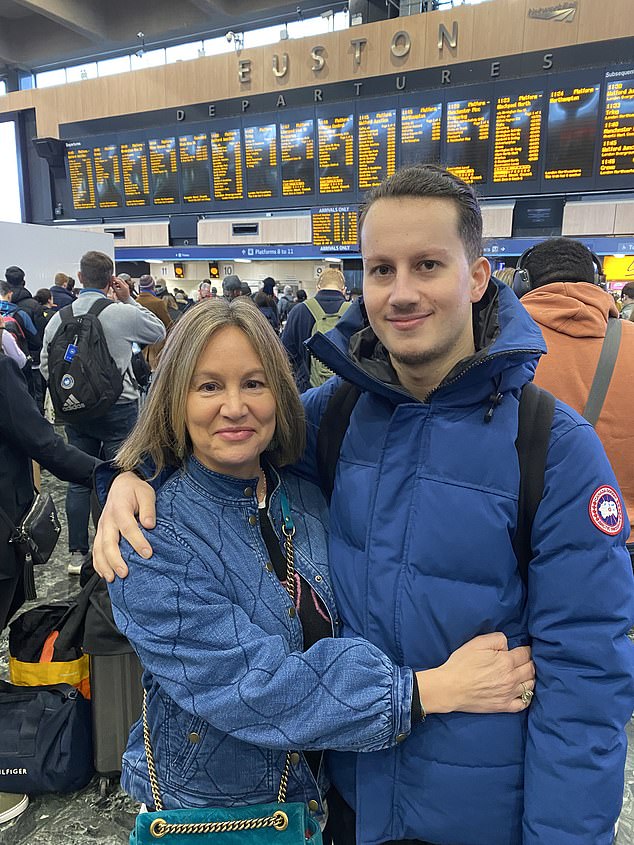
point(129, 496)
point(482, 676)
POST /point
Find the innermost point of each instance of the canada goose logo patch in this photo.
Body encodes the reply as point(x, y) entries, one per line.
point(605, 510)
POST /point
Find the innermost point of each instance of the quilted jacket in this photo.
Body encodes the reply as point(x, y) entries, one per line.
point(422, 519)
point(229, 686)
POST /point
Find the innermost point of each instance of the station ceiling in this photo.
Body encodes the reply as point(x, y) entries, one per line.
point(39, 34)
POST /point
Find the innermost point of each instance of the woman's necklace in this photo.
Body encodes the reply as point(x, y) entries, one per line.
point(261, 490)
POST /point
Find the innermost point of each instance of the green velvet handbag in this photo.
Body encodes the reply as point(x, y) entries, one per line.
point(278, 823)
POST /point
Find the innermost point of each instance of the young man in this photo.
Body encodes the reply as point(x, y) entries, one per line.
point(627, 298)
point(423, 514)
point(123, 324)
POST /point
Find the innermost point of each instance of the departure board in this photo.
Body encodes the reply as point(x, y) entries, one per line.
point(297, 147)
point(377, 147)
point(518, 129)
point(260, 157)
point(572, 128)
point(420, 134)
point(82, 179)
point(336, 153)
point(617, 143)
point(164, 170)
point(468, 139)
point(226, 157)
point(195, 167)
point(335, 228)
point(108, 180)
point(136, 179)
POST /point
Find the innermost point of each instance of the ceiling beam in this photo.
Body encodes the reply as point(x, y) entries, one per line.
point(75, 15)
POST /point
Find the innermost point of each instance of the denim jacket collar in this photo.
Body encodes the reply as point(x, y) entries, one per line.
point(227, 489)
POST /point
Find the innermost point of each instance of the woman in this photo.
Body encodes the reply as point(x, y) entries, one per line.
point(239, 644)
point(267, 306)
point(25, 436)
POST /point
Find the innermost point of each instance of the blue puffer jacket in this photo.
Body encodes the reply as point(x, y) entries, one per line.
point(229, 686)
point(422, 519)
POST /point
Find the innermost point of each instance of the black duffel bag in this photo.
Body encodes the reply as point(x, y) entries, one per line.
point(45, 739)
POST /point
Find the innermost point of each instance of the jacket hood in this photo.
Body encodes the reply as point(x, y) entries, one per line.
point(577, 309)
point(20, 294)
point(508, 347)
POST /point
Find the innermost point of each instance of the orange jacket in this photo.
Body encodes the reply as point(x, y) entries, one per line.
point(573, 317)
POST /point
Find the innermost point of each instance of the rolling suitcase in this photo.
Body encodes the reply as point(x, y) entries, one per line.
point(115, 684)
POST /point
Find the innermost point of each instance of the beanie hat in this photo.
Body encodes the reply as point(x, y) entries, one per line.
point(230, 283)
point(146, 283)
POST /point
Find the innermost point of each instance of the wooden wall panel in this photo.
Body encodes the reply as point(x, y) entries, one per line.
point(213, 232)
point(464, 17)
point(279, 230)
point(495, 28)
point(588, 218)
point(370, 61)
point(498, 29)
point(539, 34)
point(624, 219)
point(604, 20)
point(389, 63)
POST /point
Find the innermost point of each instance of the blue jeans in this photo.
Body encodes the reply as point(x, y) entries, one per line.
point(102, 438)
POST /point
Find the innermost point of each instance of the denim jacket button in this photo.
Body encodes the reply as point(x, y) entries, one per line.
point(295, 758)
point(253, 520)
point(313, 806)
point(292, 612)
point(318, 579)
point(269, 566)
point(193, 737)
point(248, 492)
point(401, 737)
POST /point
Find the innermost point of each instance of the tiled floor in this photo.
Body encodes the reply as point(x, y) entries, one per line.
point(86, 817)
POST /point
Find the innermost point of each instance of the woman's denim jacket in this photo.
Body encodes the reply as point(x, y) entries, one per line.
point(229, 687)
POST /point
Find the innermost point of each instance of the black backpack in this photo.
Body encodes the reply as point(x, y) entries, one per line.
point(83, 379)
point(536, 411)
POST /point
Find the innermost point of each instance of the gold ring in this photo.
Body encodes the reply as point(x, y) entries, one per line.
point(527, 694)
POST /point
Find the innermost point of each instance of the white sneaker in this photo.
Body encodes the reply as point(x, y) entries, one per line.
point(76, 562)
point(12, 806)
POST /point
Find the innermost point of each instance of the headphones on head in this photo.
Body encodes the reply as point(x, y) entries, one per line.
point(522, 281)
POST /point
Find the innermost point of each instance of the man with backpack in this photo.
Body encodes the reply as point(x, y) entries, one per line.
point(86, 359)
point(317, 314)
point(424, 515)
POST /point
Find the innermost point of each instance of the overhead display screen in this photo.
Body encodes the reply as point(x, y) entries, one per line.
point(377, 147)
point(335, 228)
point(108, 179)
point(549, 134)
point(573, 115)
point(260, 155)
point(336, 154)
point(136, 179)
point(226, 157)
point(517, 143)
point(195, 167)
point(468, 139)
point(297, 146)
point(420, 134)
point(617, 142)
point(82, 180)
point(164, 171)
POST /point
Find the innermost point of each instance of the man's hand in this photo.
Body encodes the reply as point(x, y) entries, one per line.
point(120, 290)
point(129, 496)
point(482, 676)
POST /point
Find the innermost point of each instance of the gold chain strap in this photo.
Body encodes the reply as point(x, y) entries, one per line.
point(278, 820)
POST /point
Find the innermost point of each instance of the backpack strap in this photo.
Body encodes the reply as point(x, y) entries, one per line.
point(536, 412)
point(97, 307)
point(604, 370)
point(332, 429)
point(315, 309)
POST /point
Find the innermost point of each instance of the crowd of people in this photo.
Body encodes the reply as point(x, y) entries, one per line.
point(423, 686)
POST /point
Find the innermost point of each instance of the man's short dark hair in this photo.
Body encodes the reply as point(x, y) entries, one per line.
point(423, 181)
point(559, 260)
point(231, 283)
point(14, 276)
point(96, 270)
point(5, 287)
point(42, 296)
point(628, 290)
